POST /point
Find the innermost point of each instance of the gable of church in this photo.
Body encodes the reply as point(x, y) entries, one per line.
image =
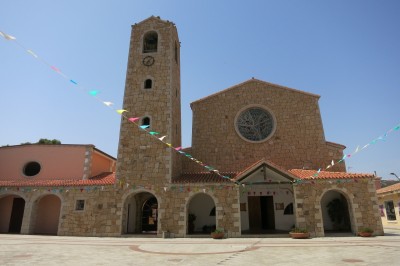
point(256, 119)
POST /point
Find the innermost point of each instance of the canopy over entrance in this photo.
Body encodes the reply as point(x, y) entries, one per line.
point(266, 199)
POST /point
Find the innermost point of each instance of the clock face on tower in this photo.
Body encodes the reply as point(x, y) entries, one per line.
point(148, 61)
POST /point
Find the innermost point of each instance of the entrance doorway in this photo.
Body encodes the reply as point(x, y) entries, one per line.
point(149, 216)
point(11, 213)
point(335, 213)
point(261, 214)
point(140, 214)
point(47, 212)
point(17, 214)
point(201, 214)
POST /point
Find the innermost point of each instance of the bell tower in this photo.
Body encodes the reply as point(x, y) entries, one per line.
point(152, 93)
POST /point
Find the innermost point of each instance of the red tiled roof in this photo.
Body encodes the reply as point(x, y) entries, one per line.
point(107, 178)
point(309, 174)
point(261, 162)
point(203, 177)
point(392, 188)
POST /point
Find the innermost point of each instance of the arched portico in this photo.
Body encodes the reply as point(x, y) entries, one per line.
point(201, 214)
point(140, 214)
point(12, 209)
point(46, 215)
point(336, 212)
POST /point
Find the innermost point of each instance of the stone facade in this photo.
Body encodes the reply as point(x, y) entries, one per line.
point(226, 206)
point(140, 157)
point(100, 217)
point(156, 188)
point(360, 196)
point(298, 140)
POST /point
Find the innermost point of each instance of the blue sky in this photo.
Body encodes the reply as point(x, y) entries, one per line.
point(346, 51)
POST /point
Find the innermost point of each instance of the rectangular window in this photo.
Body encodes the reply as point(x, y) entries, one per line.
point(390, 212)
point(80, 205)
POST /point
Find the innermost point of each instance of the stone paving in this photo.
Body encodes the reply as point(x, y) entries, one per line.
point(55, 250)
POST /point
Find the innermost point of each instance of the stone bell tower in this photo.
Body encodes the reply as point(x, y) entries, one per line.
point(152, 92)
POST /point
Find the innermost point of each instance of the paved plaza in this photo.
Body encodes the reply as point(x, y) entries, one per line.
point(55, 250)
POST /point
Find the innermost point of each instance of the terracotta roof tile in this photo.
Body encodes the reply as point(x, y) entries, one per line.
point(260, 162)
point(107, 178)
point(204, 177)
point(309, 174)
point(392, 188)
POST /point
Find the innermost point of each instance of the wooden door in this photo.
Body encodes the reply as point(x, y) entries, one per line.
point(254, 213)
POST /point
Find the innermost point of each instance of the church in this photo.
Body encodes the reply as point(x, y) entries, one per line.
point(262, 168)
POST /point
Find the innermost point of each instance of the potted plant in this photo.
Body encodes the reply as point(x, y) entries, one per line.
point(299, 233)
point(191, 218)
point(365, 232)
point(218, 234)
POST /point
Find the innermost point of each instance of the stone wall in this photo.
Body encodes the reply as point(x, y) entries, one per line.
point(100, 217)
point(361, 198)
point(142, 157)
point(298, 140)
point(174, 212)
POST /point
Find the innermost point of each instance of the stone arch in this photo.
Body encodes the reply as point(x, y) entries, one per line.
point(336, 196)
point(45, 214)
point(204, 207)
point(150, 42)
point(140, 213)
point(12, 208)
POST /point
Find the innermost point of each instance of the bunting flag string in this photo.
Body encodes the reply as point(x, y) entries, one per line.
point(95, 94)
point(134, 120)
point(357, 150)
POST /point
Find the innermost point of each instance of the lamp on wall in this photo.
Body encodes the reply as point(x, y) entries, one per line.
point(395, 176)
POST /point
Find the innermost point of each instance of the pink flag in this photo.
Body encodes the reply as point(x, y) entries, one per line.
point(133, 119)
point(55, 69)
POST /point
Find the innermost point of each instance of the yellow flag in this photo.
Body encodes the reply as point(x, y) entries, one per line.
point(120, 111)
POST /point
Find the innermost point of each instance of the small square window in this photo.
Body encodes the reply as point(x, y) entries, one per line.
point(80, 205)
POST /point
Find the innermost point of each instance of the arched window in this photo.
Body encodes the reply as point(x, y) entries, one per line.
point(148, 84)
point(150, 41)
point(288, 209)
point(146, 121)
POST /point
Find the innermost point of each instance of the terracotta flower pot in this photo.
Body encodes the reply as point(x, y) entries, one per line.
point(217, 235)
point(299, 235)
point(365, 234)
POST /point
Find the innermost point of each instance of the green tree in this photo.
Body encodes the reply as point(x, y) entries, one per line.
point(48, 141)
point(44, 141)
